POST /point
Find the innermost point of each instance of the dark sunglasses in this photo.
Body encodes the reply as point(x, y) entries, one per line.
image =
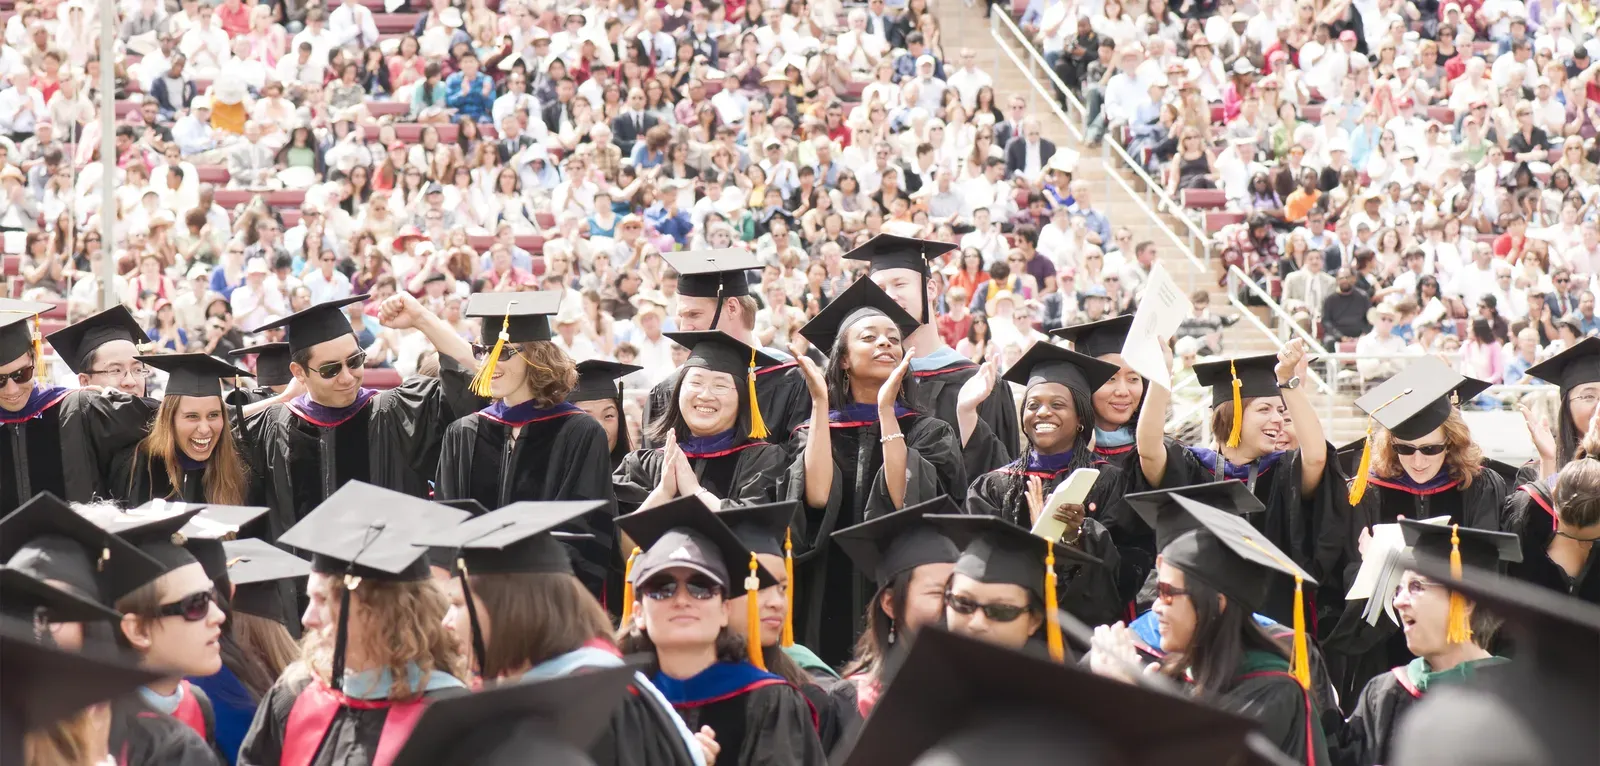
point(1431, 450)
point(192, 608)
point(1167, 592)
point(331, 370)
point(700, 589)
point(18, 376)
point(993, 612)
point(480, 350)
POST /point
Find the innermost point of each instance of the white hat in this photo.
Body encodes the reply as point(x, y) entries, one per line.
point(256, 266)
point(1403, 62)
point(926, 59)
point(1243, 66)
point(200, 102)
point(450, 17)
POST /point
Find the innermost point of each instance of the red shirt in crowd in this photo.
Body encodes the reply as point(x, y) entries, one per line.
point(236, 20)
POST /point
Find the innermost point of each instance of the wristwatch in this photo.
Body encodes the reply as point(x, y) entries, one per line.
point(1290, 384)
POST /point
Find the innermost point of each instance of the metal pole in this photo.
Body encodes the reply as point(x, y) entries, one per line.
point(108, 154)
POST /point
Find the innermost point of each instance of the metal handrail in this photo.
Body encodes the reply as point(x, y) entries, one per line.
point(1235, 274)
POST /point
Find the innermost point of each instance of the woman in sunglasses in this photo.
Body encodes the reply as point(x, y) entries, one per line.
point(689, 566)
point(190, 454)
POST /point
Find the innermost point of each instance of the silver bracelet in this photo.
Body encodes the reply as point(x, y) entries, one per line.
point(891, 437)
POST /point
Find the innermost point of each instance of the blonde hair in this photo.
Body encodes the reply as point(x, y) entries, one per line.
point(1462, 457)
point(406, 622)
point(551, 373)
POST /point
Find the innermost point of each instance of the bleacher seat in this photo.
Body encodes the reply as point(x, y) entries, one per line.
point(1312, 113)
point(212, 174)
point(1216, 114)
point(1215, 221)
point(1442, 114)
point(231, 198)
point(10, 266)
point(383, 108)
point(1204, 199)
point(396, 23)
point(545, 219)
point(381, 378)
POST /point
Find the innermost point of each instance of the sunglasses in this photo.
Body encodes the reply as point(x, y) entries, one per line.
point(1431, 450)
point(992, 612)
point(331, 370)
point(700, 589)
point(192, 608)
point(480, 350)
point(1167, 592)
point(18, 376)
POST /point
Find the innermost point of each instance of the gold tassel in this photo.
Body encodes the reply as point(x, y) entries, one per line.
point(1238, 406)
point(38, 342)
point(1358, 487)
point(1300, 664)
point(627, 590)
point(752, 615)
point(481, 381)
point(1458, 630)
point(758, 427)
point(1052, 620)
point(788, 592)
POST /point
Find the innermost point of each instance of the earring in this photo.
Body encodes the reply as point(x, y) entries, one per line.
point(891, 634)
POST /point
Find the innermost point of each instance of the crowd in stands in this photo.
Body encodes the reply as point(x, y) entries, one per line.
point(1399, 175)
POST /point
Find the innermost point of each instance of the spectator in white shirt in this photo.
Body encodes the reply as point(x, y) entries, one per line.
point(324, 281)
point(352, 25)
point(21, 107)
point(968, 79)
point(1381, 340)
point(317, 33)
point(301, 67)
point(192, 132)
point(985, 237)
point(255, 300)
point(655, 349)
point(206, 45)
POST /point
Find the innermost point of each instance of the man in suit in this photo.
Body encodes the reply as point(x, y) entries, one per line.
point(878, 21)
point(630, 126)
point(1562, 301)
point(1016, 110)
point(560, 113)
point(249, 162)
point(1027, 154)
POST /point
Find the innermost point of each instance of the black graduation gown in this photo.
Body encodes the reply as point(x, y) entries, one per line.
point(562, 456)
point(1313, 530)
point(640, 734)
point(1530, 515)
point(351, 739)
point(61, 428)
point(1092, 593)
point(143, 736)
point(835, 595)
point(998, 435)
point(765, 726)
point(1289, 718)
point(137, 478)
point(745, 474)
point(1365, 738)
point(780, 391)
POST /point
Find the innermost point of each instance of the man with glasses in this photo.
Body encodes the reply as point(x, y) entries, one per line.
point(324, 281)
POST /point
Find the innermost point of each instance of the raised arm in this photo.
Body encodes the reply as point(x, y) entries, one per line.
point(402, 311)
point(1150, 434)
point(1292, 363)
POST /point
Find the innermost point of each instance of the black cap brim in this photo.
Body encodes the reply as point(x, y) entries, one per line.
point(1162, 513)
point(1257, 376)
point(762, 528)
point(272, 363)
point(891, 251)
point(861, 299)
point(369, 531)
point(713, 273)
point(597, 380)
point(315, 325)
point(1097, 339)
point(193, 374)
point(24, 597)
point(684, 532)
point(1046, 363)
point(76, 343)
point(884, 547)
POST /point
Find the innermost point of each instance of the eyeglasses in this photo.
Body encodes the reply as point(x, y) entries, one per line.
point(18, 376)
point(479, 351)
point(991, 612)
point(1431, 450)
point(331, 370)
point(700, 589)
point(1167, 592)
point(136, 371)
point(192, 608)
point(716, 389)
point(1415, 588)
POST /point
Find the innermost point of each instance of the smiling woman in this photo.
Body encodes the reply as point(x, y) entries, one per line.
point(190, 454)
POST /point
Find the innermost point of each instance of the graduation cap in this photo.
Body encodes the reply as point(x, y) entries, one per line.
point(158, 532)
point(445, 557)
point(193, 374)
point(1410, 406)
point(1572, 367)
point(30, 599)
point(1541, 709)
point(552, 721)
point(46, 539)
point(891, 251)
point(1046, 363)
point(718, 274)
point(599, 379)
point(1237, 379)
point(765, 529)
point(1349, 457)
point(360, 532)
point(685, 534)
point(272, 363)
point(45, 684)
point(318, 324)
point(256, 568)
point(76, 343)
point(1225, 552)
point(205, 534)
point(975, 702)
point(1097, 338)
point(996, 551)
point(718, 351)
point(509, 318)
point(884, 547)
point(17, 335)
point(1162, 513)
point(1460, 546)
point(861, 299)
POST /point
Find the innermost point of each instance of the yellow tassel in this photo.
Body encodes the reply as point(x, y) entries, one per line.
point(788, 592)
point(1238, 407)
point(1052, 620)
point(481, 381)
point(38, 341)
point(752, 637)
point(1300, 664)
point(758, 427)
point(1458, 630)
point(627, 589)
point(1358, 487)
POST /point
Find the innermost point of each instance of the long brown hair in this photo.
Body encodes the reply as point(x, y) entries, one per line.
point(534, 617)
point(1462, 457)
point(225, 470)
point(551, 373)
point(265, 640)
point(64, 743)
point(406, 622)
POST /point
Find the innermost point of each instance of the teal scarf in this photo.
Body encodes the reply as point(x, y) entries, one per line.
point(1421, 677)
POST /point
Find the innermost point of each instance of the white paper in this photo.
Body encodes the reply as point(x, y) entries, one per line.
point(1161, 310)
point(1432, 312)
point(1380, 572)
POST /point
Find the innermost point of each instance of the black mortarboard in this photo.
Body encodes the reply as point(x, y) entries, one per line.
point(318, 324)
point(514, 539)
point(1410, 405)
point(272, 363)
point(891, 251)
point(1541, 710)
point(1349, 457)
point(552, 721)
point(888, 545)
point(721, 273)
point(721, 352)
point(976, 702)
point(1571, 368)
point(256, 568)
point(193, 374)
point(46, 539)
point(859, 300)
point(597, 379)
point(1479, 548)
point(76, 343)
point(45, 684)
point(1257, 376)
point(369, 532)
point(761, 528)
point(205, 534)
point(29, 599)
point(1162, 513)
point(18, 323)
point(685, 533)
point(525, 315)
point(1224, 551)
point(445, 558)
point(159, 533)
point(994, 550)
point(1046, 363)
point(1097, 339)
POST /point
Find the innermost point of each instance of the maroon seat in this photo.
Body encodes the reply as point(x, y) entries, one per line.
point(1313, 113)
point(10, 266)
point(1442, 114)
point(290, 218)
point(212, 174)
point(1207, 199)
point(532, 243)
point(57, 310)
point(124, 108)
point(382, 108)
point(381, 378)
point(1216, 221)
point(231, 198)
point(396, 22)
point(545, 219)
point(286, 198)
point(1216, 114)
point(480, 242)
